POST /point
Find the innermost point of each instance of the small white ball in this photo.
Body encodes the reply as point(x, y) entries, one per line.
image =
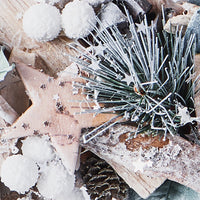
point(42, 22)
point(37, 149)
point(78, 19)
point(19, 173)
point(54, 181)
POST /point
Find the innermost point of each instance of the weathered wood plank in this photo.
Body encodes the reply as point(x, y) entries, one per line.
point(175, 159)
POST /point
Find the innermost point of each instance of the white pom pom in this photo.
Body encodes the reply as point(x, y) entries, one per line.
point(19, 173)
point(54, 181)
point(78, 19)
point(42, 22)
point(37, 149)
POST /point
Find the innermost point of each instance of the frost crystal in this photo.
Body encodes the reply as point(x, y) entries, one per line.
point(82, 22)
point(19, 173)
point(37, 149)
point(42, 22)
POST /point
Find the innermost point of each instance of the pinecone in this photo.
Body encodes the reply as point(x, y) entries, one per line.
point(101, 181)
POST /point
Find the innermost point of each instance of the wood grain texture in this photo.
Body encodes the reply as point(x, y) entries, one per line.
point(176, 159)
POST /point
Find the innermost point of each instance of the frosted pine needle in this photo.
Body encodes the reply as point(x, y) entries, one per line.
point(142, 77)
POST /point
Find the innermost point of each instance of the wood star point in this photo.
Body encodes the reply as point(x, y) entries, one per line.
point(53, 112)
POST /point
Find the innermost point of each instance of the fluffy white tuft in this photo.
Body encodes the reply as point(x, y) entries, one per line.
point(19, 173)
point(42, 22)
point(54, 181)
point(78, 18)
point(37, 149)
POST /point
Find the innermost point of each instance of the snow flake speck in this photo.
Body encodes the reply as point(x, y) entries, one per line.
point(140, 165)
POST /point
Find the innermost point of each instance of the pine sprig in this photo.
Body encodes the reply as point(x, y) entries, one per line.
point(142, 77)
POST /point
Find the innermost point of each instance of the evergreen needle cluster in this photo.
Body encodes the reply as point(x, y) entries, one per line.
point(143, 77)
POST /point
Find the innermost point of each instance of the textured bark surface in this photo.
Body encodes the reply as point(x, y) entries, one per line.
point(175, 159)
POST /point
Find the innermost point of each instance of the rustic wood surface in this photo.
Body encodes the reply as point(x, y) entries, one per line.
point(175, 159)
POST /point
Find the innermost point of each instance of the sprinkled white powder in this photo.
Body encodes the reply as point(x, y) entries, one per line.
point(111, 15)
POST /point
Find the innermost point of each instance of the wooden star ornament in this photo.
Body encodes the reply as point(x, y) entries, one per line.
point(53, 112)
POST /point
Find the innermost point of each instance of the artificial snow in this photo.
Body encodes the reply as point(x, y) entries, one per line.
point(72, 70)
point(19, 173)
point(140, 165)
point(42, 22)
point(111, 15)
point(78, 19)
point(184, 115)
point(55, 181)
point(38, 149)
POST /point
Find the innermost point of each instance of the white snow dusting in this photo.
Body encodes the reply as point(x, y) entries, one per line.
point(185, 115)
point(112, 15)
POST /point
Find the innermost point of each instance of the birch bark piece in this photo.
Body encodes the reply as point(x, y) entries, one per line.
point(112, 148)
point(175, 159)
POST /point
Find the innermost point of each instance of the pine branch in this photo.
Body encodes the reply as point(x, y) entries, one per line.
point(145, 78)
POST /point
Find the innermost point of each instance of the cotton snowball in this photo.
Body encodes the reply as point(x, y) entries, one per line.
point(78, 19)
point(19, 173)
point(54, 181)
point(42, 22)
point(37, 149)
